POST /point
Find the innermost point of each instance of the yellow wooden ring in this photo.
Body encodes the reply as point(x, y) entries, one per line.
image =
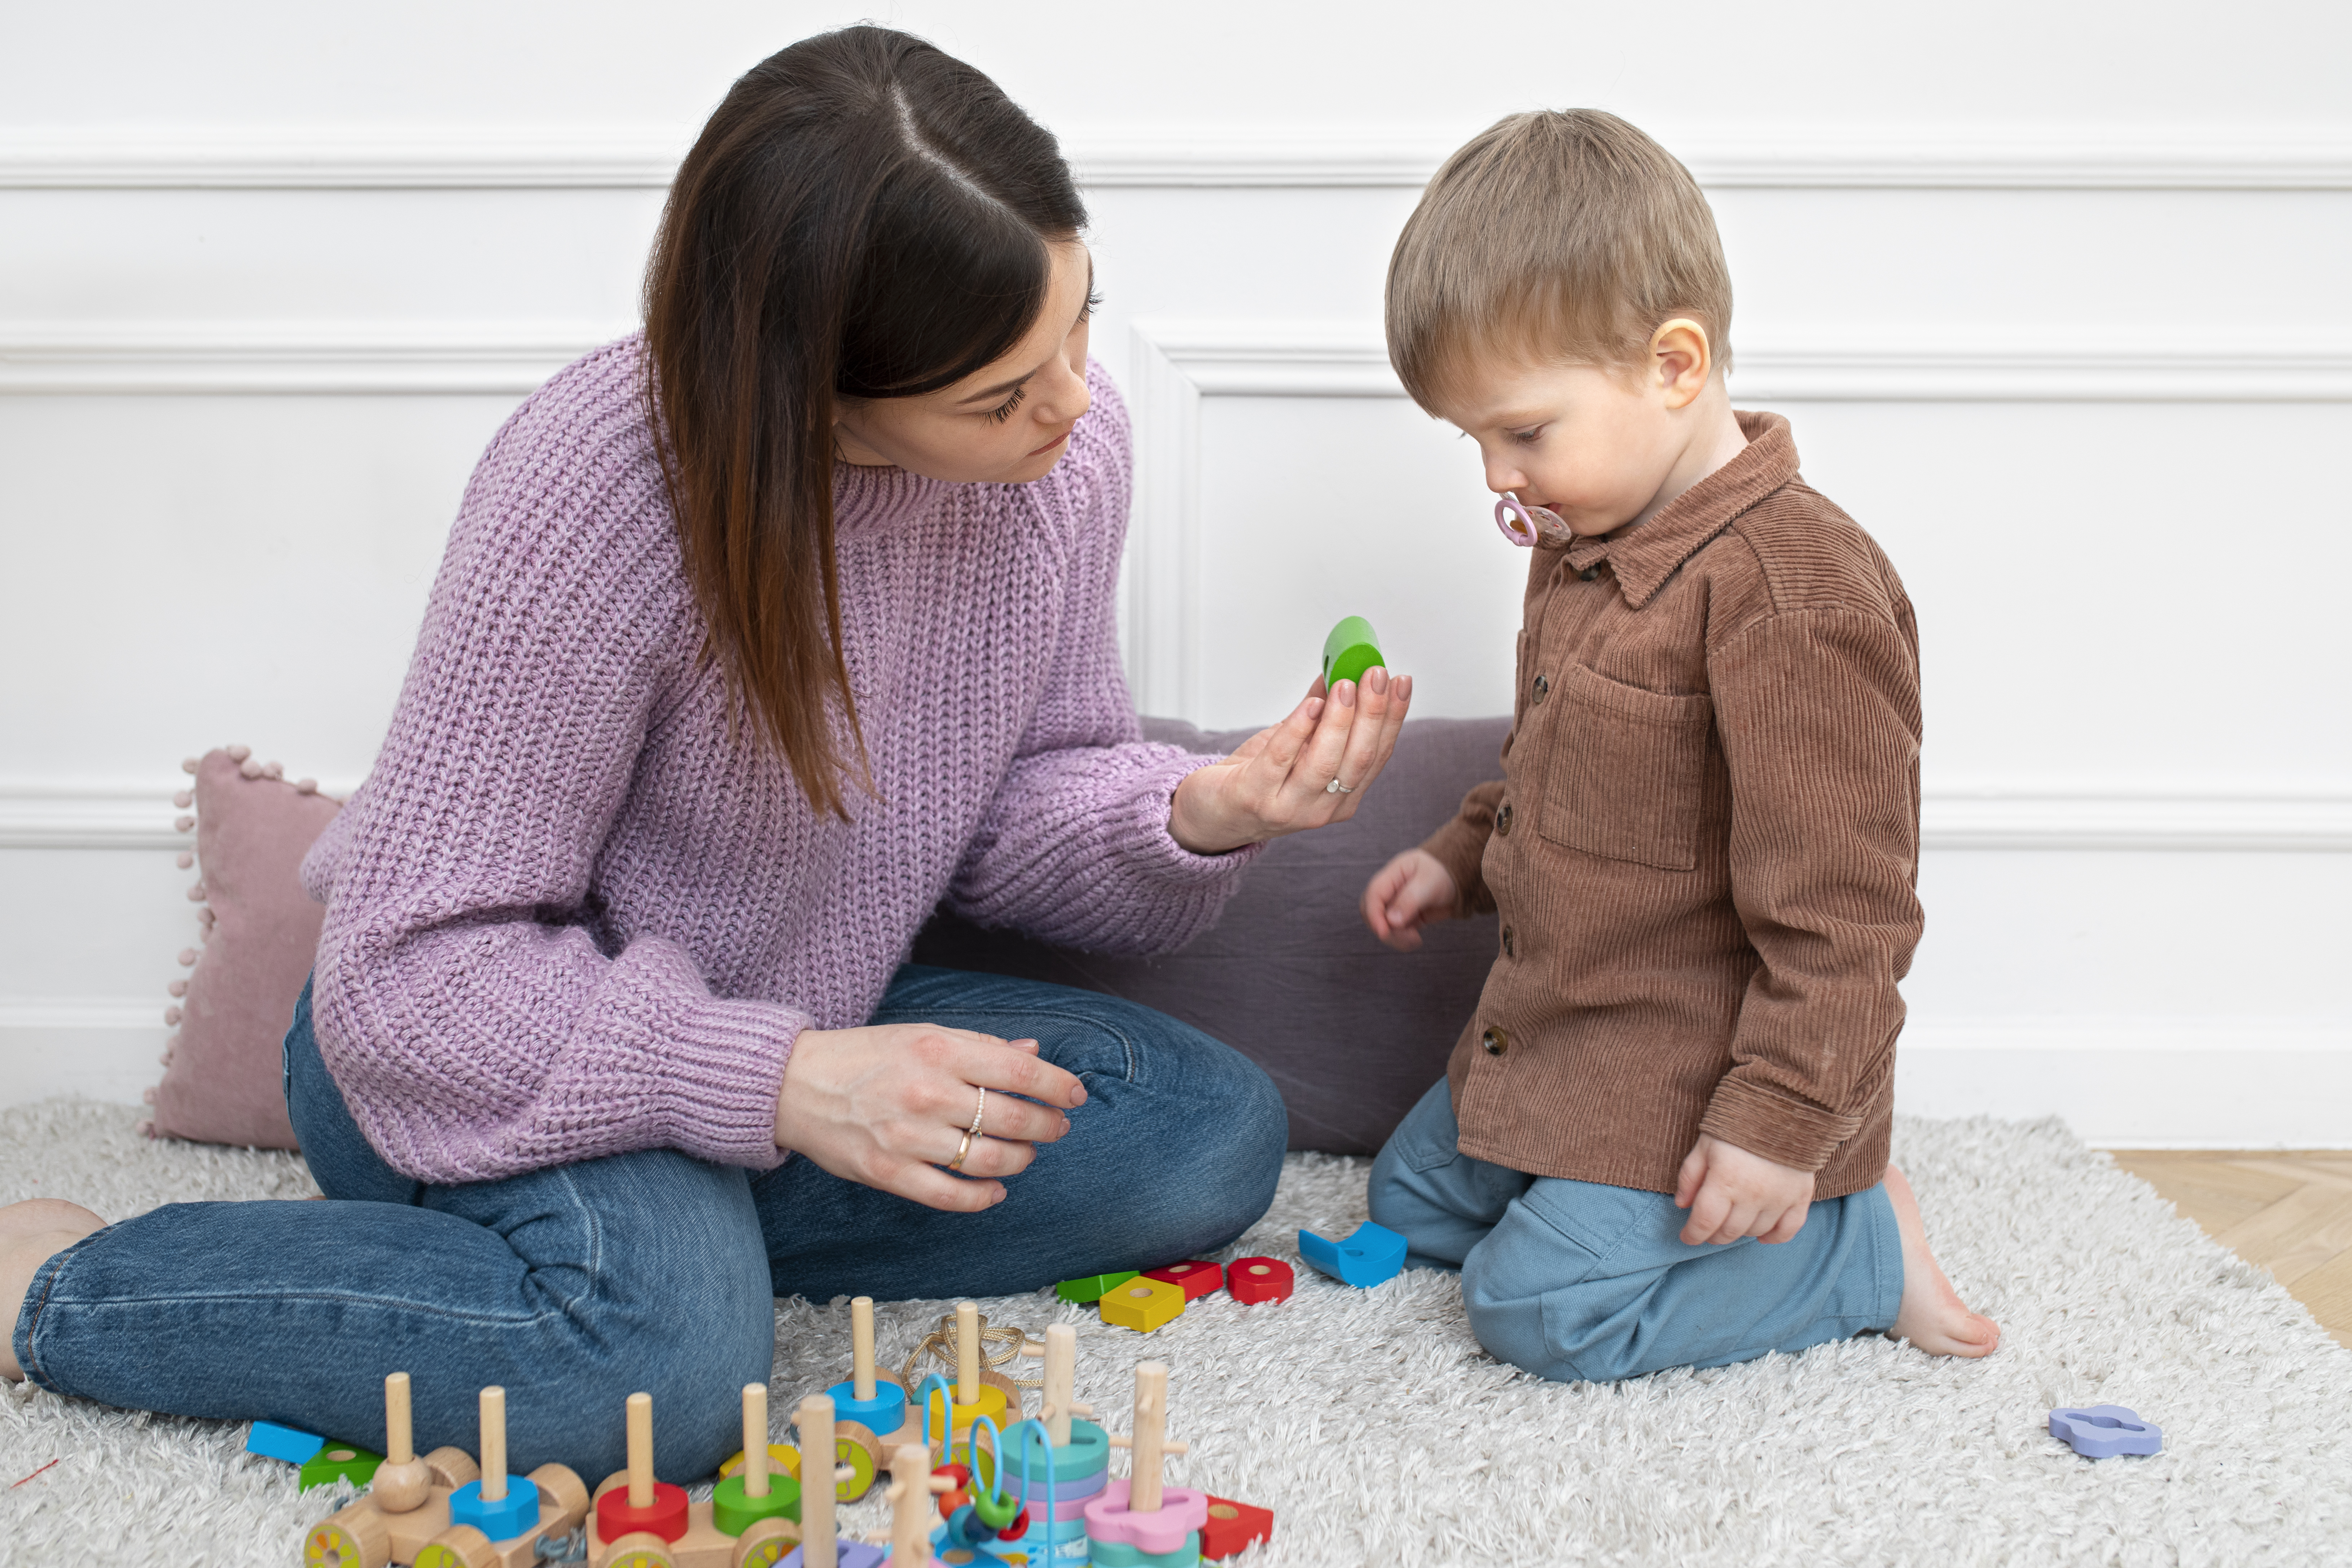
point(782, 1457)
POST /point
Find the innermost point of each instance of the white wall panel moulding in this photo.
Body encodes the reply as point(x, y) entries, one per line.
point(2019, 816)
point(292, 356)
point(102, 817)
point(1246, 359)
point(1925, 363)
point(446, 157)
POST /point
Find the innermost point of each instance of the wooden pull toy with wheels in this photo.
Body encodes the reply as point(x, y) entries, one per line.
point(751, 1521)
point(443, 1510)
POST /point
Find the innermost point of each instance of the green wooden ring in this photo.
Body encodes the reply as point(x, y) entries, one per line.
point(734, 1513)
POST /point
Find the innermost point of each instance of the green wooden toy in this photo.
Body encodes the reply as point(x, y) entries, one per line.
point(1352, 648)
point(339, 1462)
point(1090, 1288)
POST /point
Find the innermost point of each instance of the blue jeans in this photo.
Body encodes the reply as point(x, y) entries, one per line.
point(576, 1286)
point(1578, 1281)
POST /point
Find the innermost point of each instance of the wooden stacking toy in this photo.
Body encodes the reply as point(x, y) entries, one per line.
point(441, 1510)
point(751, 1521)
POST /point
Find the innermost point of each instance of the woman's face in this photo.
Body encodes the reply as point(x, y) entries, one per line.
point(1006, 423)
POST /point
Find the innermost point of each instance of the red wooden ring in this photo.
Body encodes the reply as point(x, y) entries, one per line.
point(1246, 1282)
point(665, 1516)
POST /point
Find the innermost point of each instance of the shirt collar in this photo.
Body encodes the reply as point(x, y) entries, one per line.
point(1642, 558)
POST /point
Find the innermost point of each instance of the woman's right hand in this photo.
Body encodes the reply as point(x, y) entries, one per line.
point(1409, 892)
point(887, 1105)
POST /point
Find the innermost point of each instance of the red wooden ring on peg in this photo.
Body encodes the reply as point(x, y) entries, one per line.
point(664, 1517)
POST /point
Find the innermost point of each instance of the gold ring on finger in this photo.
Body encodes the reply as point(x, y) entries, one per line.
point(962, 1149)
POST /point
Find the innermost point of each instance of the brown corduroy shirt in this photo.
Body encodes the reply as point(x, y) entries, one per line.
point(1704, 846)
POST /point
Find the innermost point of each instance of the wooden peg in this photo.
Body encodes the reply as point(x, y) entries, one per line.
point(1061, 1376)
point(755, 1439)
point(402, 1481)
point(861, 1347)
point(641, 1450)
point(399, 1435)
point(494, 1444)
point(817, 1540)
point(966, 1352)
point(1150, 1440)
point(912, 1487)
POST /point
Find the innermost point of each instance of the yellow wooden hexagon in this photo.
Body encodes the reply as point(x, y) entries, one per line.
point(1142, 1303)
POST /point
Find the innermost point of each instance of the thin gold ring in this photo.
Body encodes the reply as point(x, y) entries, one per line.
point(961, 1149)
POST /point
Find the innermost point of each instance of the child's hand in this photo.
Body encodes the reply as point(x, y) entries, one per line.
point(1409, 892)
point(1731, 1193)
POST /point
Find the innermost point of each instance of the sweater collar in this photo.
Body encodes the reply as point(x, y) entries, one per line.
point(869, 498)
point(1642, 558)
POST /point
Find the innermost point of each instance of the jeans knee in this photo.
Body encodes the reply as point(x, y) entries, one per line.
point(572, 1407)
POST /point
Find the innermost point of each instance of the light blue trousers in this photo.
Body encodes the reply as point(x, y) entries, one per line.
point(1576, 1281)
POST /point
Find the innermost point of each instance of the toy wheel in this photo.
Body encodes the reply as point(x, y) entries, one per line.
point(452, 1467)
point(861, 1450)
point(617, 1479)
point(764, 1544)
point(355, 1537)
point(562, 1498)
point(459, 1546)
point(639, 1548)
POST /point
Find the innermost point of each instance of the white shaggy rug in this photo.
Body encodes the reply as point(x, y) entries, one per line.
point(1379, 1432)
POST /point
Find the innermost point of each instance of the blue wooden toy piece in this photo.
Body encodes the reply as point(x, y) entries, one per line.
point(272, 1441)
point(503, 1519)
point(1372, 1254)
point(847, 1553)
point(2103, 1431)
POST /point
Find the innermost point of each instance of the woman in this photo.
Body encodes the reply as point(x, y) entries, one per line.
point(698, 732)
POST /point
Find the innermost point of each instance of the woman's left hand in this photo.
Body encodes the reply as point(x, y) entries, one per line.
point(1280, 780)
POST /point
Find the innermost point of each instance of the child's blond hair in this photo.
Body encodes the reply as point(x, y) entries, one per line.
point(1556, 236)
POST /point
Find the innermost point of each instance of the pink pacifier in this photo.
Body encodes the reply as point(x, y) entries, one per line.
point(1526, 525)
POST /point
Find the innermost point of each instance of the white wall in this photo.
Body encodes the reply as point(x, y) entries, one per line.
point(2054, 293)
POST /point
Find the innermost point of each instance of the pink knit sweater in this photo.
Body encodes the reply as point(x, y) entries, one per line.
point(567, 916)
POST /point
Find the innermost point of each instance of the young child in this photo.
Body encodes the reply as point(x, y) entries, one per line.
point(1705, 843)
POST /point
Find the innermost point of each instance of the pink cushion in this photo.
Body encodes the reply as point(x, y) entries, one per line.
point(225, 1079)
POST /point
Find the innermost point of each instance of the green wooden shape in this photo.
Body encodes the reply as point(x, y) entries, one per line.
point(339, 1462)
point(1092, 1287)
point(733, 1512)
point(1352, 648)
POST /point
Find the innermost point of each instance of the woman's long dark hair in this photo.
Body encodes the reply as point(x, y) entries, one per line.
point(863, 217)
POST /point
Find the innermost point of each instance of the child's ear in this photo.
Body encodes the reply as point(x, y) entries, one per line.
point(1682, 359)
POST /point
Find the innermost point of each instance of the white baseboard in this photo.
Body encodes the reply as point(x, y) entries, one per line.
point(2213, 1083)
point(99, 1049)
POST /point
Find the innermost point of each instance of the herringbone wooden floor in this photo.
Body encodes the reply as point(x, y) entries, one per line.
point(2288, 1212)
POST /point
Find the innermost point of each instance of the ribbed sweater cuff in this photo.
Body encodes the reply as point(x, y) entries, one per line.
point(720, 1076)
point(1143, 842)
point(1766, 1122)
point(1461, 848)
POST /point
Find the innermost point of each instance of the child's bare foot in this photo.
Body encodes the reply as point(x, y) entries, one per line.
point(1932, 1316)
point(31, 1233)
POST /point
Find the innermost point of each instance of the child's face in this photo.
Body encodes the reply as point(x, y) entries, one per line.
point(1595, 444)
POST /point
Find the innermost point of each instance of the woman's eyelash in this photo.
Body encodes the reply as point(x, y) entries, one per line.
point(1004, 410)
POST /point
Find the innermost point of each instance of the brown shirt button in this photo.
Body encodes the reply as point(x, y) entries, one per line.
point(1496, 1041)
point(1508, 951)
point(1543, 688)
point(1589, 573)
point(1503, 820)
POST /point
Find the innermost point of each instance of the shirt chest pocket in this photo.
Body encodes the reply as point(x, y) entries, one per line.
point(1626, 769)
